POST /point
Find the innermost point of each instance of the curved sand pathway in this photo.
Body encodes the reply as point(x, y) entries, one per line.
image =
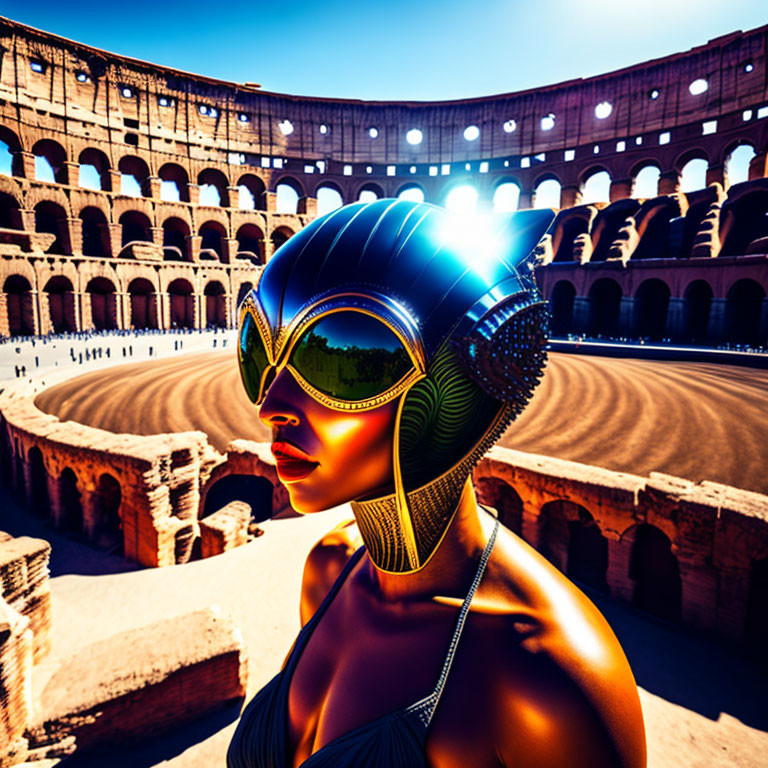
point(694, 420)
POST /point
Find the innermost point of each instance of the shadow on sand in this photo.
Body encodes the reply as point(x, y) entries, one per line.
point(699, 674)
point(68, 554)
point(155, 751)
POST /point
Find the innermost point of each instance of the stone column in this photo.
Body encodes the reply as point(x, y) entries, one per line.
point(151, 187)
point(757, 166)
point(269, 248)
point(5, 329)
point(627, 319)
point(36, 315)
point(699, 595)
point(111, 180)
point(617, 575)
point(194, 243)
point(530, 524)
point(764, 321)
point(669, 183)
point(620, 189)
point(526, 199)
point(115, 238)
point(716, 325)
point(270, 202)
point(676, 311)
point(229, 248)
point(233, 193)
point(193, 192)
point(164, 310)
point(124, 301)
point(85, 311)
point(200, 311)
point(75, 234)
point(89, 502)
point(569, 196)
point(70, 174)
point(307, 206)
point(27, 219)
point(716, 175)
point(157, 235)
point(581, 313)
point(45, 313)
point(23, 164)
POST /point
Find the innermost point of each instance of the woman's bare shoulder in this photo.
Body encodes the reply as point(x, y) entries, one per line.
point(324, 563)
point(559, 661)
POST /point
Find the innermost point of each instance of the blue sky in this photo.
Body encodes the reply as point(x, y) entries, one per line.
point(393, 49)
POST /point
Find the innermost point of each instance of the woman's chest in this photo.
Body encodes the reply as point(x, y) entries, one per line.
point(360, 665)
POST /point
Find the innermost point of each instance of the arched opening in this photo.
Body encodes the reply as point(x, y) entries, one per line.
point(136, 228)
point(694, 175)
point(174, 183)
point(547, 194)
point(607, 224)
point(572, 227)
point(61, 304)
point(506, 198)
point(737, 164)
point(646, 183)
point(10, 159)
point(655, 571)
point(39, 501)
point(143, 304)
point(749, 222)
point(95, 230)
point(494, 492)
point(250, 242)
point(287, 194)
point(254, 491)
point(182, 303)
point(462, 199)
point(251, 193)
point(742, 312)
point(698, 299)
point(587, 551)
point(604, 306)
point(412, 192)
point(561, 307)
point(279, 236)
point(212, 243)
point(71, 518)
point(213, 188)
point(93, 172)
point(328, 199)
point(10, 213)
point(50, 159)
point(369, 193)
point(19, 306)
point(596, 188)
point(103, 300)
point(656, 238)
point(107, 528)
point(51, 218)
point(756, 627)
point(651, 304)
point(215, 305)
point(243, 291)
point(134, 175)
point(175, 239)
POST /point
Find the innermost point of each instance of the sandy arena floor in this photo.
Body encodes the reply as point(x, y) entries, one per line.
point(694, 420)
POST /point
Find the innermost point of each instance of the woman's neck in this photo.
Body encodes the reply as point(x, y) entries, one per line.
point(449, 570)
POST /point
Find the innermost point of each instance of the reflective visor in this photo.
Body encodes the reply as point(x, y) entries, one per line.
point(252, 356)
point(351, 356)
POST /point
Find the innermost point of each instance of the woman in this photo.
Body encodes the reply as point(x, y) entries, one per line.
point(388, 346)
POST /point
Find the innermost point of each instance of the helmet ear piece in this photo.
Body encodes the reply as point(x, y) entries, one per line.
point(505, 353)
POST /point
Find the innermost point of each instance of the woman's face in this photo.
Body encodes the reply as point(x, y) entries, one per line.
point(327, 457)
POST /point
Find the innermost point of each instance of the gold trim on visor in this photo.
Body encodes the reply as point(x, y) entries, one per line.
point(279, 346)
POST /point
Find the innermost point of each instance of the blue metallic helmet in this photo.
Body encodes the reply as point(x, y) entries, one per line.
point(449, 321)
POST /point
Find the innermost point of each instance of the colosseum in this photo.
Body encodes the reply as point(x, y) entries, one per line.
point(138, 198)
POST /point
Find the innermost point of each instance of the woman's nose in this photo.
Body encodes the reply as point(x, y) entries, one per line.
point(281, 403)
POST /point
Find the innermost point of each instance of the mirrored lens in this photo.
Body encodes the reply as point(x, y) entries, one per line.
point(253, 357)
point(350, 356)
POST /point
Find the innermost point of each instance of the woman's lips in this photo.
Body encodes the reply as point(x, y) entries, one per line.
point(292, 462)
